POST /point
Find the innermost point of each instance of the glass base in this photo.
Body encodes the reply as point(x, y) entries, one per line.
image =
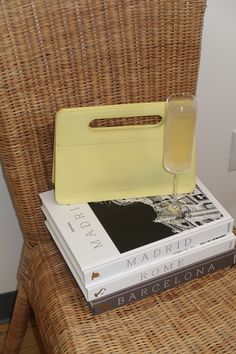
point(174, 209)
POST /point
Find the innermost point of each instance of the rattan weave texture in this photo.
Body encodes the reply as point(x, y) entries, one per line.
point(198, 317)
point(55, 54)
point(58, 54)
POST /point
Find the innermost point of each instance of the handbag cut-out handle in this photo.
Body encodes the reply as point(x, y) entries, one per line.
point(151, 120)
point(110, 124)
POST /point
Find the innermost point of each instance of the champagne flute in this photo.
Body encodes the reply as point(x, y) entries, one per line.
point(179, 131)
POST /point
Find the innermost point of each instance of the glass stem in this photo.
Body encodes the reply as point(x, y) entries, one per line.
point(175, 185)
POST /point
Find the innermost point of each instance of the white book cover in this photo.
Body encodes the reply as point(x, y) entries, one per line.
point(111, 237)
point(150, 271)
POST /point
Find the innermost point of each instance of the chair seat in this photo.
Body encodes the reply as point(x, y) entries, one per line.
point(196, 317)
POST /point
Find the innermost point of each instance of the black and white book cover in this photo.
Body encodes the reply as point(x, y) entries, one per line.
point(115, 236)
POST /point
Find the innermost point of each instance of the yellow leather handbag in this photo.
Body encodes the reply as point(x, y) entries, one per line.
point(102, 163)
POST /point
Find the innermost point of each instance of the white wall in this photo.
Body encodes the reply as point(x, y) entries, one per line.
point(217, 99)
point(10, 241)
point(217, 119)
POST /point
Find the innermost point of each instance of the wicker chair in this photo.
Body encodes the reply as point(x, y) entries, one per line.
point(57, 54)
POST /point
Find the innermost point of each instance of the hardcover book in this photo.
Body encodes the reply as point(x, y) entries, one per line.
point(112, 237)
point(153, 269)
point(163, 283)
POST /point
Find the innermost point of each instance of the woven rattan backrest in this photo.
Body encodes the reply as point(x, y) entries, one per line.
point(58, 53)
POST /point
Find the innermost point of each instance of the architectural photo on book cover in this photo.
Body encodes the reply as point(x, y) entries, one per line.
point(128, 220)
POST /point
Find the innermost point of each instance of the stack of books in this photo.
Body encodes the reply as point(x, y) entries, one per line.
point(121, 251)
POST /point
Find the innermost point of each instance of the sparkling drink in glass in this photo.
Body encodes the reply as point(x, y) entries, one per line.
point(179, 133)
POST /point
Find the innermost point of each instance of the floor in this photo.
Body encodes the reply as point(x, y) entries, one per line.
point(31, 343)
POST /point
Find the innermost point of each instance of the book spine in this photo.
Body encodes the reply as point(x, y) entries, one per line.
point(165, 266)
point(67, 258)
point(51, 226)
point(164, 248)
point(160, 284)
